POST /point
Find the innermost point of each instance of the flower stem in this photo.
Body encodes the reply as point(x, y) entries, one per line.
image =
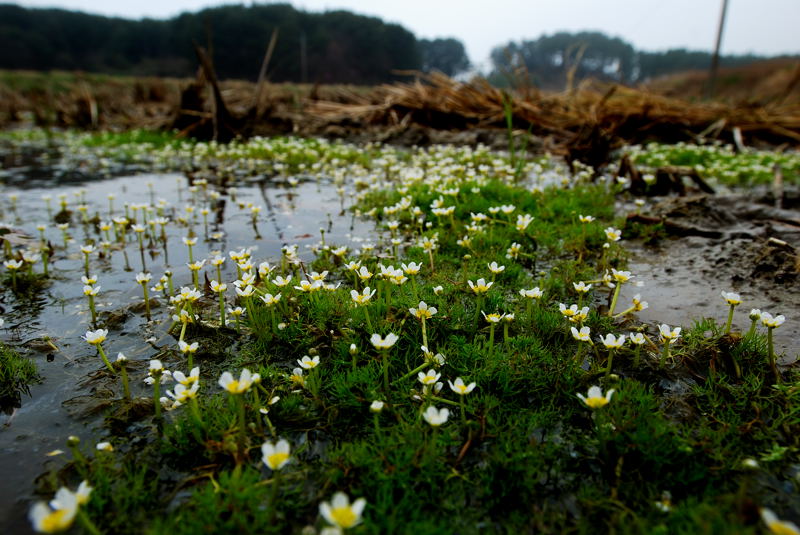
point(614, 299)
point(385, 357)
point(157, 396)
point(105, 358)
point(664, 354)
point(412, 372)
point(86, 523)
point(92, 310)
point(126, 389)
point(610, 361)
point(752, 327)
point(273, 496)
point(730, 319)
point(241, 427)
point(146, 301)
point(771, 351)
point(366, 317)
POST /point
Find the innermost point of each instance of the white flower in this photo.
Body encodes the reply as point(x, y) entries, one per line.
point(96, 337)
point(376, 406)
point(460, 388)
point(188, 348)
point(383, 343)
point(428, 378)
point(620, 276)
point(307, 363)
point(582, 335)
point(732, 298)
point(340, 512)
point(495, 268)
point(771, 322)
point(275, 456)
point(412, 268)
point(481, 286)
point(613, 342)
point(435, 417)
point(533, 293)
point(247, 291)
point(581, 287)
point(779, 527)
point(362, 298)
point(613, 234)
point(58, 516)
point(595, 398)
point(636, 338)
point(423, 311)
point(236, 386)
point(669, 334)
point(193, 377)
point(218, 287)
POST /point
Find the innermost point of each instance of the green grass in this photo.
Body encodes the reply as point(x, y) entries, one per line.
point(720, 163)
point(17, 374)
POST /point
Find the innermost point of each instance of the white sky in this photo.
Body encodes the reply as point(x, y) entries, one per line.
point(759, 26)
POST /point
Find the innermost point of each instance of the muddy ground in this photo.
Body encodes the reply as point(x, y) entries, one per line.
point(725, 242)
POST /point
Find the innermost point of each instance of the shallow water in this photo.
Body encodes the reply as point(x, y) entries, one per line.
point(678, 292)
point(290, 215)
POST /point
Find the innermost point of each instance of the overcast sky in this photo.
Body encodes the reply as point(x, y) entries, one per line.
point(759, 26)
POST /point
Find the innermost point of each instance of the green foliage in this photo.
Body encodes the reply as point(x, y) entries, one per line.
point(17, 374)
point(720, 163)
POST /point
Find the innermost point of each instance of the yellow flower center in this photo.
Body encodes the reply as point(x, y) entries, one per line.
point(233, 387)
point(344, 516)
point(58, 520)
point(462, 388)
point(781, 528)
point(275, 460)
point(596, 402)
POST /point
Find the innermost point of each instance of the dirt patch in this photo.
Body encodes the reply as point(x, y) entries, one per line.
point(736, 242)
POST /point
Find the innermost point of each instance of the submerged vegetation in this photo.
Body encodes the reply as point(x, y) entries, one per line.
point(475, 364)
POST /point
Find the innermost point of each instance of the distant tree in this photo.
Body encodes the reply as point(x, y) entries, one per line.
point(547, 61)
point(339, 46)
point(654, 64)
point(445, 55)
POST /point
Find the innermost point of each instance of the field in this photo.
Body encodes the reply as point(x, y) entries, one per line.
point(297, 335)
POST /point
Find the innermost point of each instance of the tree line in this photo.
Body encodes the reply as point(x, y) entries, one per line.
point(328, 47)
point(550, 60)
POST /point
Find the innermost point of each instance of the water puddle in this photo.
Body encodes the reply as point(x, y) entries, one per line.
point(48, 326)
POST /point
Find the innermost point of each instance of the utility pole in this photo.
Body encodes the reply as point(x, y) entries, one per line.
point(712, 72)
